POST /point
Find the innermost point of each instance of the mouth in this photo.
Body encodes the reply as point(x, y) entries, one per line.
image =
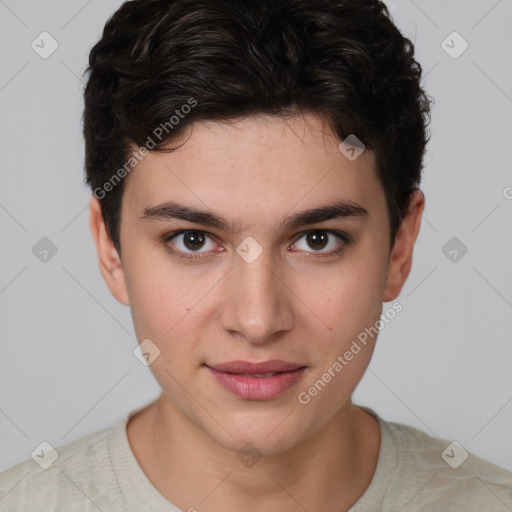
point(257, 381)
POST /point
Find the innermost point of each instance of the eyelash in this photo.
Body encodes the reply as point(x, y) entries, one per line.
point(345, 241)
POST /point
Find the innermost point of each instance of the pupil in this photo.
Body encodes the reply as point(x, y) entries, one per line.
point(317, 239)
point(193, 240)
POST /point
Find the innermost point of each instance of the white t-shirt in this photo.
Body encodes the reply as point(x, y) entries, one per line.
point(100, 472)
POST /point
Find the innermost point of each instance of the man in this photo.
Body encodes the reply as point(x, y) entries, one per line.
point(255, 169)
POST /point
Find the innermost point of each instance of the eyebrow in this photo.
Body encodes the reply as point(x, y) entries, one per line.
point(173, 210)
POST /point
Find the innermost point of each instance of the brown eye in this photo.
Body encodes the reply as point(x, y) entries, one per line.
point(317, 239)
point(193, 240)
point(190, 241)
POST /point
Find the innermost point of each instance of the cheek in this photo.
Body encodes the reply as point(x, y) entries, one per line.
point(349, 297)
point(167, 298)
point(352, 306)
point(157, 298)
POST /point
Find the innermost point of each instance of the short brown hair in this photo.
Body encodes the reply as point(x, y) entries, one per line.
point(341, 59)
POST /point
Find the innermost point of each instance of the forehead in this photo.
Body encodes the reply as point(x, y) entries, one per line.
point(255, 166)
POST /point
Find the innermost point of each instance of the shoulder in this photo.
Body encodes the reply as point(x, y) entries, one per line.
point(431, 471)
point(75, 475)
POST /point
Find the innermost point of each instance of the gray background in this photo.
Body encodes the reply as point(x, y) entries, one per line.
point(443, 364)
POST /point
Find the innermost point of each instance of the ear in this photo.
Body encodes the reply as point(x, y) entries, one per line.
point(401, 256)
point(111, 267)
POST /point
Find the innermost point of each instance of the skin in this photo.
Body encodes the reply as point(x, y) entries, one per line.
point(295, 302)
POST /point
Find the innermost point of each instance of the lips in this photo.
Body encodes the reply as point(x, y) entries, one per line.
point(257, 381)
point(265, 367)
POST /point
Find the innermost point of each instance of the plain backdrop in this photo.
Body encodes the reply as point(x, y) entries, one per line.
point(443, 364)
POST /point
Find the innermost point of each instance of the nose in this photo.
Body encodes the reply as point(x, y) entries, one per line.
point(257, 304)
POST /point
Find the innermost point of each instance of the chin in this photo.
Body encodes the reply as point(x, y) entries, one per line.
point(262, 433)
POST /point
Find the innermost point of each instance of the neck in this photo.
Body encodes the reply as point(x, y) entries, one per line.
point(328, 471)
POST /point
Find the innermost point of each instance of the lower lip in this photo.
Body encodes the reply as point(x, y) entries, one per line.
point(257, 388)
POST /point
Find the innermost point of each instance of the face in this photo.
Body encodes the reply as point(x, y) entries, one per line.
point(253, 257)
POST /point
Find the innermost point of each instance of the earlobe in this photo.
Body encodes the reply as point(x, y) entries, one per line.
point(110, 264)
point(401, 256)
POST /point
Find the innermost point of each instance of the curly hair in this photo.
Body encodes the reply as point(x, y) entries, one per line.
point(343, 60)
